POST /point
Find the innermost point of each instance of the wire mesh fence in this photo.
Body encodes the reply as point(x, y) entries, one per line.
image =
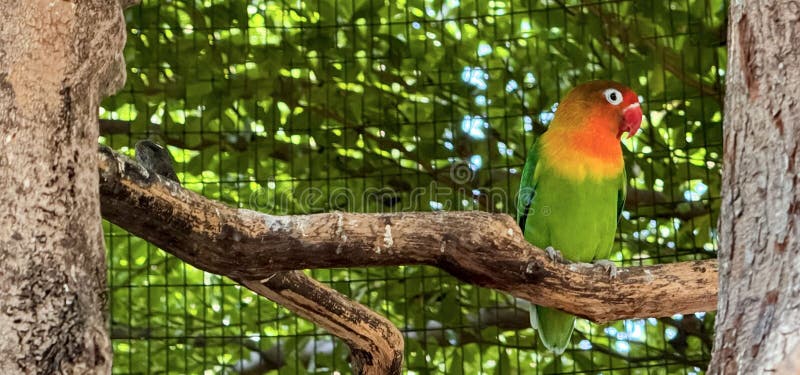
point(292, 107)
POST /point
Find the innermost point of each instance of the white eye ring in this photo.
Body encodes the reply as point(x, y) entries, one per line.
point(613, 96)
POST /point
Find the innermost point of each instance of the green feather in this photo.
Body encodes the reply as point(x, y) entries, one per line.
point(574, 217)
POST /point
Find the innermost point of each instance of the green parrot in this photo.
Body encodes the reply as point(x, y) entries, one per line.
point(573, 187)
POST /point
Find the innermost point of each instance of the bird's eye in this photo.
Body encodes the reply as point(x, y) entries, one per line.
point(613, 96)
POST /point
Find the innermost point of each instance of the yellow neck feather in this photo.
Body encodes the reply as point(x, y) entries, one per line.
point(582, 154)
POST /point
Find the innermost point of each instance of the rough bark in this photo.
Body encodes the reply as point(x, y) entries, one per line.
point(57, 60)
point(791, 364)
point(758, 320)
point(376, 345)
point(480, 248)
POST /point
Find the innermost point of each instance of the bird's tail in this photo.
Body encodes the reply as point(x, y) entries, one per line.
point(554, 326)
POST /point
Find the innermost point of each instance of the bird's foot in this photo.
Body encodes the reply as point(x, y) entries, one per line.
point(554, 254)
point(608, 266)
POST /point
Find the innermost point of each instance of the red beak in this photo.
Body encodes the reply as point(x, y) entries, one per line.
point(631, 120)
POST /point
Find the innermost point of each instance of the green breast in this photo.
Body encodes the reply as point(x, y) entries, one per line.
point(578, 218)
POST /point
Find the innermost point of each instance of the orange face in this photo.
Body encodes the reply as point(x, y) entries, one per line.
point(583, 140)
point(604, 104)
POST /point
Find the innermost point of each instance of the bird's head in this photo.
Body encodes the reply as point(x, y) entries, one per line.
point(605, 106)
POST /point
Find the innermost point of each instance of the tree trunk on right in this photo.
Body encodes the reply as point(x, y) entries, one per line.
point(758, 320)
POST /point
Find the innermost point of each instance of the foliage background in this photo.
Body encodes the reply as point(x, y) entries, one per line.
point(292, 107)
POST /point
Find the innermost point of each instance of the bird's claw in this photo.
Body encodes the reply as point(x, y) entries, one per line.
point(608, 266)
point(554, 254)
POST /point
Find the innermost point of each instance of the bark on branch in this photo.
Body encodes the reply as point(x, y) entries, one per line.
point(376, 345)
point(480, 248)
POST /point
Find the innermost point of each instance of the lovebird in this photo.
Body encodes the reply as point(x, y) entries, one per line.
point(573, 187)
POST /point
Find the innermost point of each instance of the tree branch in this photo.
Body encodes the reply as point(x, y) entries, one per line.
point(376, 345)
point(480, 248)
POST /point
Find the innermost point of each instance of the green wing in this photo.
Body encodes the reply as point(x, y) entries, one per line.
point(527, 186)
point(622, 193)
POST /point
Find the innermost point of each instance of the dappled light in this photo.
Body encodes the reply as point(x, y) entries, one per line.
point(299, 107)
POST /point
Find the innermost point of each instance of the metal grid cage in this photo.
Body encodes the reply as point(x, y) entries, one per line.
point(291, 107)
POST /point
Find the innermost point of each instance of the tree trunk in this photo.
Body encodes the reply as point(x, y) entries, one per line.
point(758, 321)
point(57, 60)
